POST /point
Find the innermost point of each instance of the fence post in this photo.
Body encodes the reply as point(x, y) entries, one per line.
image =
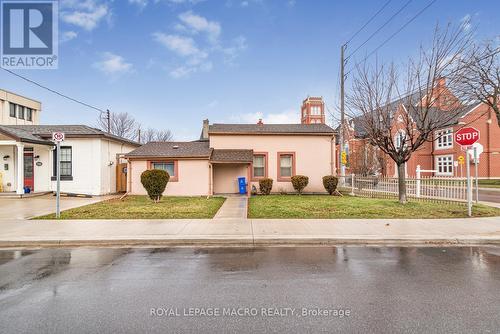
point(352, 184)
point(418, 182)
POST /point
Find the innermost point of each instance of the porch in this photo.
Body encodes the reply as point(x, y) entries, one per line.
point(24, 165)
point(226, 166)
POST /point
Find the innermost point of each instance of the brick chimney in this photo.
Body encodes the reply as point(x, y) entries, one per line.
point(204, 131)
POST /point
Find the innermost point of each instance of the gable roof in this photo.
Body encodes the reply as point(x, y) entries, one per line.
point(230, 155)
point(271, 129)
point(41, 133)
point(195, 149)
point(23, 135)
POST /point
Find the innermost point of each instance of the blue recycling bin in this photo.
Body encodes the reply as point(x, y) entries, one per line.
point(242, 185)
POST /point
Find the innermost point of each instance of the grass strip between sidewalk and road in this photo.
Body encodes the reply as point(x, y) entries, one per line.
point(141, 207)
point(334, 207)
point(489, 183)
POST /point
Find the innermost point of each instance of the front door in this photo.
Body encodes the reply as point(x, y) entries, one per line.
point(29, 180)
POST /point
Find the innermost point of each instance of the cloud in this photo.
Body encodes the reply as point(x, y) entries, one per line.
point(199, 24)
point(184, 46)
point(140, 3)
point(231, 52)
point(84, 14)
point(195, 42)
point(112, 64)
point(286, 117)
point(68, 36)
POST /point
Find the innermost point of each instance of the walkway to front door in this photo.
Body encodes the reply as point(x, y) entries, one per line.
point(234, 207)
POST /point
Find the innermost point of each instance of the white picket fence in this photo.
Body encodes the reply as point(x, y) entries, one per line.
point(423, 188)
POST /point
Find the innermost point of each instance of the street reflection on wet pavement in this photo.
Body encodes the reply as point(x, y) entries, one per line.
point(257, 290)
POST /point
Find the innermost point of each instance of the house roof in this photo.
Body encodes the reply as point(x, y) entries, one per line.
point(274, 129)
point(42, 132)
point(433, 114)
point(23, 135)
point(229, 155)
point(195, 149)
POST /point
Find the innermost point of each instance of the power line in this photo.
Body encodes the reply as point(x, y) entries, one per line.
point(54, 91)
point(380, 28)
point(394, 34)
point(368, 22)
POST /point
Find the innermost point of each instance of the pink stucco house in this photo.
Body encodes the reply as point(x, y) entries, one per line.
point(225, 152)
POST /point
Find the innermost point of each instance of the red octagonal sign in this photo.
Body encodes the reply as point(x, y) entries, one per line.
point(467, 136)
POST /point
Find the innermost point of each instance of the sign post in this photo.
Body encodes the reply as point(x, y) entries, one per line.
point(466, 137)
point(58, 137)
point(475, 174)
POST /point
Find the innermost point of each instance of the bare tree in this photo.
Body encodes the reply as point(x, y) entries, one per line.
point(151, 134)
point(122, 124)
point(480, 79)
point(365, 160)
point(402, 107)
point(164, 135)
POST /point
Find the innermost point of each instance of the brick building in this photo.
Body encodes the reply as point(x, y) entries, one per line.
point(441, 154)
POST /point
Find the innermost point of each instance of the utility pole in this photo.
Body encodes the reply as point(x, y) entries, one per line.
point(109, 120)
point(342, 111)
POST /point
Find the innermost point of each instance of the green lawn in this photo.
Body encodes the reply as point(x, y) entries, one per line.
point(323, 206)
point(489, 183)
point(141, 207)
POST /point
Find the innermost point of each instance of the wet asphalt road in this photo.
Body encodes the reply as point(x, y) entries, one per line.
point(385, 290)
point(489, 195)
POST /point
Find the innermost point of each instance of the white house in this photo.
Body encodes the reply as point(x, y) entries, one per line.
point(90, 158)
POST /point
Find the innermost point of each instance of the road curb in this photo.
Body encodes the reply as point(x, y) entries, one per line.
point(248, 242)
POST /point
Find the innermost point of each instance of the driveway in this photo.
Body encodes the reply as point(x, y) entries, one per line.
point(22, 208)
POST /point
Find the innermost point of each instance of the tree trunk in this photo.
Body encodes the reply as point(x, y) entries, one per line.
point(402, 183)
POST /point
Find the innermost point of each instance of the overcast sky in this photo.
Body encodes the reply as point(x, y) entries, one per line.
point(172, 63)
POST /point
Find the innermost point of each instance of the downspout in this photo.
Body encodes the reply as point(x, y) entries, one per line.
point(210, 182)
point(332, 155)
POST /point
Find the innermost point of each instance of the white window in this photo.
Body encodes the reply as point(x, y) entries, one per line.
point(315, 110)
point(400, 139)
point(444, 165)
point(259, 165)
point(444, 138)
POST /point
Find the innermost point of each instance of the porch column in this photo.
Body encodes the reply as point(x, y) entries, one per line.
point(20, 169)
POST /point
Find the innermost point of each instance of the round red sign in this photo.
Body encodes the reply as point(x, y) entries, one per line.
point(467, 136)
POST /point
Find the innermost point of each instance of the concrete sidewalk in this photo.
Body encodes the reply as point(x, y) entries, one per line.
point(234, 207)
point(249, 232)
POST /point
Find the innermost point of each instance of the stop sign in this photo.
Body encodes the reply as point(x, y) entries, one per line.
point(466, 136)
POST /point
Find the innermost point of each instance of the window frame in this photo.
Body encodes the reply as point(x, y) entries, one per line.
point(436, 162)
point(28, 111)
point(437, 145)
point(173, 178)
point(12, 114)
point(257, 178)
point(54, 165)
point(278, 164)
point(20, 112)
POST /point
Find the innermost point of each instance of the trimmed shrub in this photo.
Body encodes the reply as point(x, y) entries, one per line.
point(330, 183)
point(299, 182)
point(265, 186)
point(155, 181)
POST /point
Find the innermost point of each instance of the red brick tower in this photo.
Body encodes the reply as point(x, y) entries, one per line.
point(313, 111)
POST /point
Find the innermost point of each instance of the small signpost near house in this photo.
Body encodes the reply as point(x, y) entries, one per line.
point(466, 137)
point(58, 137)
